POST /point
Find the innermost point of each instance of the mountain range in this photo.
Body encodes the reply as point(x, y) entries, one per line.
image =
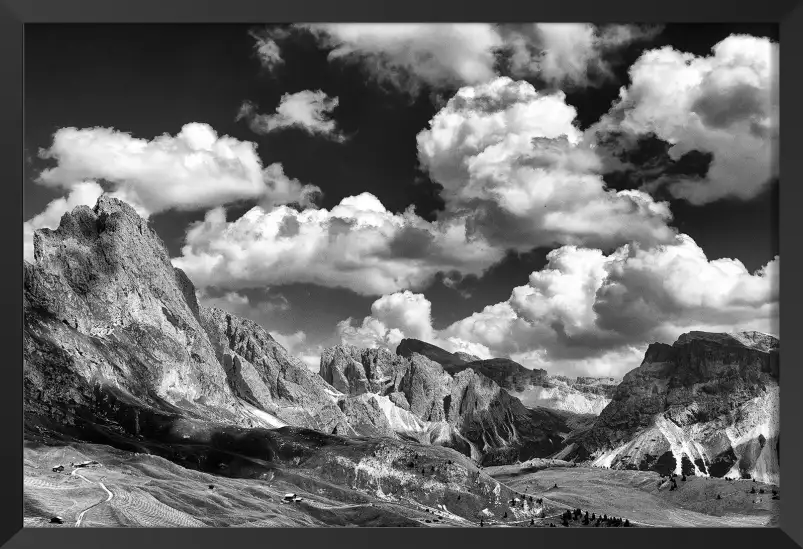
point(119, 352)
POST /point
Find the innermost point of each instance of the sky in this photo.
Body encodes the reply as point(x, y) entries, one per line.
point(559, 194)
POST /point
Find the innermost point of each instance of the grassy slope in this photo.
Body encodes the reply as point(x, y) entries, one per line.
point(635, 495)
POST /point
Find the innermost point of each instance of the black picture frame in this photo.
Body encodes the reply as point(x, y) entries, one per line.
point(15, 14)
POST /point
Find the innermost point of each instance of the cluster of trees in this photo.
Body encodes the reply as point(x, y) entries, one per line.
point(775, 494)
point(602, 520)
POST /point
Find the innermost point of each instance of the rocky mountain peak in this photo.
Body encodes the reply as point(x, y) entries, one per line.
point(102, 290)
point(408, 347)
point(679, 402)
point(102, 294)
point(115, 267)
point(702, 356)
point(354, 371)
point(754, 340)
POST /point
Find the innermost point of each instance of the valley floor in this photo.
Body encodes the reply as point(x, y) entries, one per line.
point(635, 495)
point(140, 490)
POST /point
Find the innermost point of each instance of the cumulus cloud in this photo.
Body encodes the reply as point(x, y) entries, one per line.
point(357, 245)
point(397, 316)
point(725, 104)
point(587, 313)
point(408, 312)
point(393, 317)
point(570, 54)
point(306, 110)
point(607, 363)
point(195, 169)
point(649, 290)
point(513, 158)
point(312, 360)
point(584, 304)
point(370, 334)
point(84, 193)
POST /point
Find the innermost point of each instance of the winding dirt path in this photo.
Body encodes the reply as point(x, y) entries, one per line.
point(109, 497)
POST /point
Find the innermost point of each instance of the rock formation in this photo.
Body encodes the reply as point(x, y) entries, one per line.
point(706, 405)
point(422, 400)
point(104, 306)
point(449, 361)
point(261, 372)
point(534, 387)
point(354, 371)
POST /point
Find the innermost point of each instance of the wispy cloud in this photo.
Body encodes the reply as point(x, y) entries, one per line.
point(307, 110)
point(266, 47)
point(411, 56)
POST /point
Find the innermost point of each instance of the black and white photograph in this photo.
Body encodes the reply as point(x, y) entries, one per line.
point(466, 275)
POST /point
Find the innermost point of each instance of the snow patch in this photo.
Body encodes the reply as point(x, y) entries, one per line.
point(269, 420)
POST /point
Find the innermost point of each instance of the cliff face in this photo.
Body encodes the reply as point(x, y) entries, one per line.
point(506, 373)
point(104, 306)
point(354, 371)
point(707, 405)
point(261, 372)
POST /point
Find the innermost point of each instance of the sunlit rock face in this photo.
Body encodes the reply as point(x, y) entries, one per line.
point(105, 310)
point(706, 405)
